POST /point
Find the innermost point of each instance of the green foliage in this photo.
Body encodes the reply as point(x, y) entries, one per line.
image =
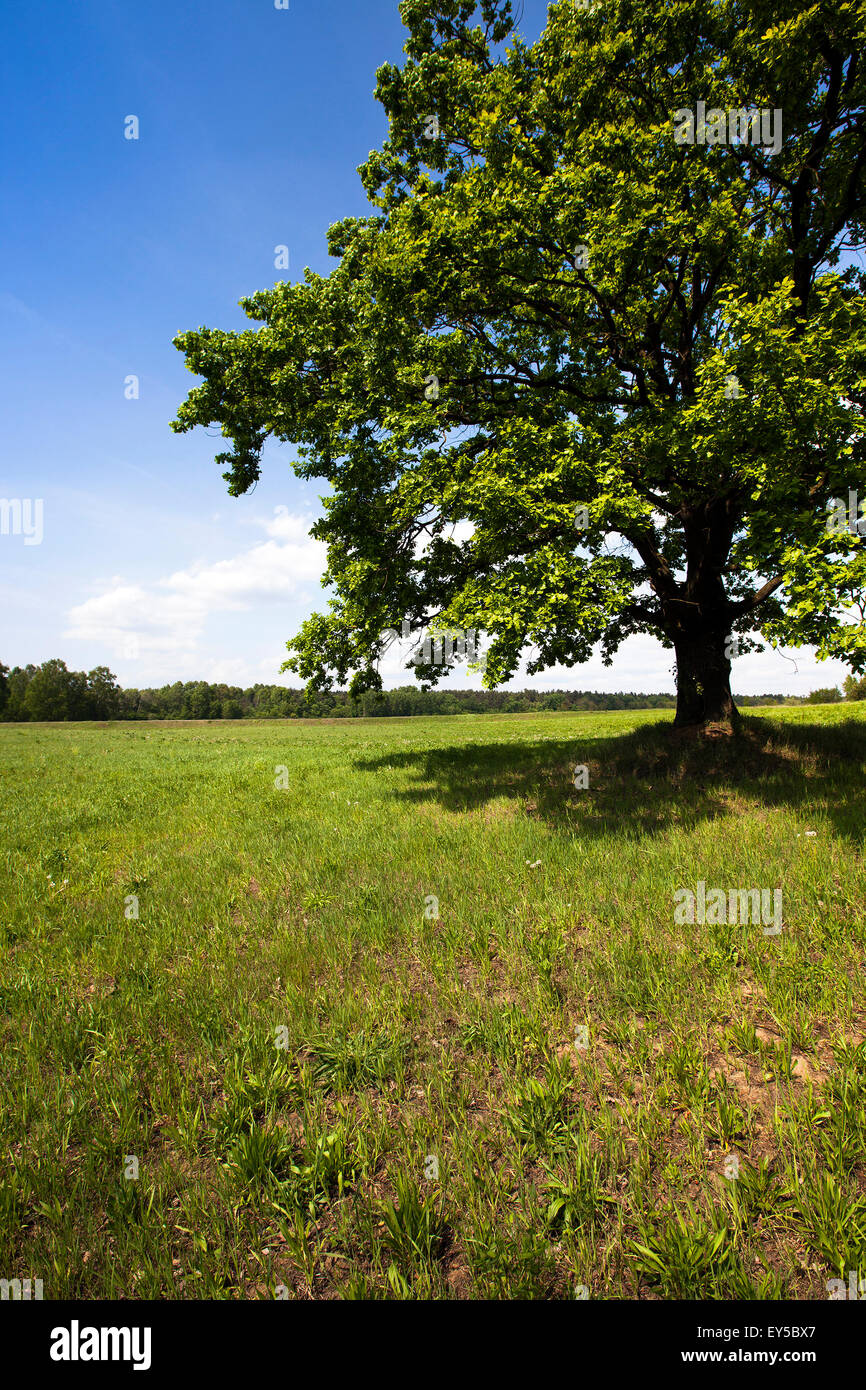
point(855, 689)
point(52, 692)
point(828, 695)
point(513, 1264)
point(466, 384)
point(575, 1199)
point(261, 1155)
point(834, 1222)
point(413, 1224)
point(344, 1061)
point(539, 1111)
point(685, 1253)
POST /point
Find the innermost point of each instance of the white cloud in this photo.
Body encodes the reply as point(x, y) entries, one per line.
point(460, 533)
point(643, 664)
point(161, 627)
point(170, 616)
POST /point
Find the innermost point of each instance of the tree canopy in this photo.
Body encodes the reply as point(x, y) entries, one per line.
point(594, 364)
point(51, 691)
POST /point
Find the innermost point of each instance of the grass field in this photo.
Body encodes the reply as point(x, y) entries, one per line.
point(370, 952)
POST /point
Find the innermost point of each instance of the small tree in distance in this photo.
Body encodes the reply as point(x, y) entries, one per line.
point(828, 695)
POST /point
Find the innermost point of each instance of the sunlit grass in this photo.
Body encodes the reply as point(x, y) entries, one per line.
point(429, 953)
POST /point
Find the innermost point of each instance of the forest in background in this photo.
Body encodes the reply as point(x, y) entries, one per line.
point(52, 692)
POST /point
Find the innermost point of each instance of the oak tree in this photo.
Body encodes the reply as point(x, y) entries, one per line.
point(594, 363)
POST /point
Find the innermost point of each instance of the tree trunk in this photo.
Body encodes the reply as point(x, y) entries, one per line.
point(703, 680)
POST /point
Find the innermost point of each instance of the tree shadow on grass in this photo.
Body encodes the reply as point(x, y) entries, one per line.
point(647, 781)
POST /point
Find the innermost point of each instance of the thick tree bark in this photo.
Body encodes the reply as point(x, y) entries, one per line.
point(703, 679)
point(696, 614)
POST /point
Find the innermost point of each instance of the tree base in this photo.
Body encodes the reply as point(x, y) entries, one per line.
point(708, 728)
point(703, 675)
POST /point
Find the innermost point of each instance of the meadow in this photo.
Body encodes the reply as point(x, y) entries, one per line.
point(390, 1008)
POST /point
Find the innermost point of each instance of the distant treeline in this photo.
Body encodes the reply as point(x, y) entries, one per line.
point(50, 691)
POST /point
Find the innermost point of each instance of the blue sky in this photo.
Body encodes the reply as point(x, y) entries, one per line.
point(252, 124)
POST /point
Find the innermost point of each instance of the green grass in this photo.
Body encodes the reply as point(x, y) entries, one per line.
point(333, 1092)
